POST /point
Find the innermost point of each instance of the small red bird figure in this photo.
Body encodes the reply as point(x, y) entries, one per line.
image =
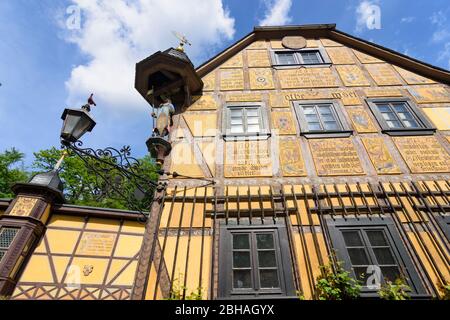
point(91, 100)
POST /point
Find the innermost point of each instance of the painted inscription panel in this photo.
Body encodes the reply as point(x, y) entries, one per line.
point(383, 74)
point(423, 154)
point(334, 157)
point(258, 58)
point(430, 94)
point(231, 79)
point(307, 78)
point(247, 159)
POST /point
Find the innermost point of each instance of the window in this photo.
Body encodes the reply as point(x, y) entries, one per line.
point(318, 118)
point(7, 236)
point(245, 120)
point(363, 243)
point(444, 222)
point(254, 262)
point(400, 117)
point(301, 57)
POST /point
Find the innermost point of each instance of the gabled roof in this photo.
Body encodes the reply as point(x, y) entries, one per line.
point(328, 31)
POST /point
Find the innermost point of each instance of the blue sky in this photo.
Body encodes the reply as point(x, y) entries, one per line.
point(47, 63)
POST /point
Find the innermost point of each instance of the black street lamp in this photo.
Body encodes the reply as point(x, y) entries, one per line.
point(76, 122)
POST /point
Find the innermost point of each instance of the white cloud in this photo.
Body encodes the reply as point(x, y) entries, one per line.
point(364, 14)
point(441, 35)
point(277, 13)
point(115, 35)
point(407, 19)
point(442, 31)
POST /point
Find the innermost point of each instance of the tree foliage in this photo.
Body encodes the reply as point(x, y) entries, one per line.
point(82, 185)
point(11, 171)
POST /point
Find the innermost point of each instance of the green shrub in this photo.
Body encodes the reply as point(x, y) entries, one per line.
point(397, 290)
point(337, 285)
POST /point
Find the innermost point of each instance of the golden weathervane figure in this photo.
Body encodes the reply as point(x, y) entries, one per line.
point(183, 40)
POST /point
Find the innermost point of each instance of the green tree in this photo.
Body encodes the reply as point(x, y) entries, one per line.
point(11, 171)
point(81, 185)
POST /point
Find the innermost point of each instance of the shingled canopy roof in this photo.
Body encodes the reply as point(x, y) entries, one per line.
point(328, 31)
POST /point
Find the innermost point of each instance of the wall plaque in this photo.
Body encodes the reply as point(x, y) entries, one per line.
point(209, 82)
point(352, 76)
point(96, 244)
point(244, 97)
point(261, 78)
point(205, 102)
point(340, 55)
point(365, 58)
point(261, 44)
point(247, 159)
point(231, 79)
point(439, 116)
point(258, 58)
point(383, 74)
point(361, 120)
point(23, 206)
point(294, 42)
point(307, 78)
point(330, 43)
point(380, 156)
point(291, 159)
point(277, 44)
point(382, 92)
point(430, 94)
point(234, 62)
point(283, 122)
point(335, 157)
point(412, 78)
point(423, 154)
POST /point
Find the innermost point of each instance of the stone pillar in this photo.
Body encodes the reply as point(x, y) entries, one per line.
point(23, 225)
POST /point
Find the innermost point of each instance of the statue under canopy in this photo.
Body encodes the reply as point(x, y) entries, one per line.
point(163, 115)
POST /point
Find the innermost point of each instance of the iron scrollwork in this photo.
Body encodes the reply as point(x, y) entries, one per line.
point(117, 175)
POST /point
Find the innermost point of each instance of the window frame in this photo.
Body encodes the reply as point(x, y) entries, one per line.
point(337, 110)
point(398, 249)
point(426, 128)
point(299, 59)
point(284, 262)
point(264, 133)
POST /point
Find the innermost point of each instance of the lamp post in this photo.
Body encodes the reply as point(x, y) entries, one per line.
point(116, 171)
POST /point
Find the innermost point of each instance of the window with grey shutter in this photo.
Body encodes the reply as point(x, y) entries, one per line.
point(245, 121)
point(400, 117)
point(321, 119)
point(361, 243)
point(304, 57)
point(254, 262)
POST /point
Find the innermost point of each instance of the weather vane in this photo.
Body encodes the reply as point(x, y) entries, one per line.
point(183, 41)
